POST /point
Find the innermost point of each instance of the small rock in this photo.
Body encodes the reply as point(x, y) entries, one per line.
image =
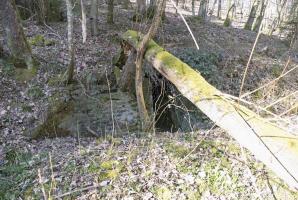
point(3, 112)
point(202, 174)
point(180, 181)
point(147, 195)
point(104, 183)
point(189, 179)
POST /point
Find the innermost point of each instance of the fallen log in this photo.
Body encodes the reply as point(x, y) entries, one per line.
point(272, 145)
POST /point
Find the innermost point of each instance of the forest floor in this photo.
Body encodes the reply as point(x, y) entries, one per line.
point(199, 165)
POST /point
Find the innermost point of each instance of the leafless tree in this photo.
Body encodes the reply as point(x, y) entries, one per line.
point(70, 72)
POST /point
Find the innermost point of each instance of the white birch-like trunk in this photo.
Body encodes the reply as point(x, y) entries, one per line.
point(84, 21)
point(70, 72)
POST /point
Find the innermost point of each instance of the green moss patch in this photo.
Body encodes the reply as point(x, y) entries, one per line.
point(178, 150)
point(40, 40)
point(16, 170)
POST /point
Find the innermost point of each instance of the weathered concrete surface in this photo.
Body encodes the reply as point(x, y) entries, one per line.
point(93, 112)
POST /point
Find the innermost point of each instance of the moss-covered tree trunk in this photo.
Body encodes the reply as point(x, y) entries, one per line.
point(260, 17)
point(229, 18)
point(19, 49)
point(110, 17)
point(139, 62)
point(272, 145)
point(252, 15)
point(41, 11)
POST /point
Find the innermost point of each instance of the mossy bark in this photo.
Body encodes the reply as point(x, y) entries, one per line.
point(252, 15)
point(127, 80)
point(19, 49)
point(50, 127)
point(272, 145)
point(110, 17)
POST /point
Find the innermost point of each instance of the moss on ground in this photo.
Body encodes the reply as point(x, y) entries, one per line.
point(16, 170)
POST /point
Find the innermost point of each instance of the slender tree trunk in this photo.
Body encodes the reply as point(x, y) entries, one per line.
point(213, 7)
point(259, 19)
point(294, 24)
point(177, 3)
point(71, 52)
point(41, 11)
point(126, 4)
point(272, 145)
point(203, 9)
point(94, 15)
point(280, 12)
point(84, 21)
point(184, 4)
point(252, 15)
point(229, 18)
point(139, 62)
point(219, 9)
point(1, 51)
point(19, 49)
point(141, 7)
point(110, 18)
point(193, 7)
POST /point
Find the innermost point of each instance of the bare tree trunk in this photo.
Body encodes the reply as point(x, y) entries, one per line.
point(141, 7)
point(71, 52)
point(229, 18)
point(1, 51)
point(293, 21)
point(139, 62)
point(184, 4)
point(280, 13)
point(110, 18)
point(252, 15)
point(219, 9)
point(126, 4)
point(41, 12)
point(177, 3)
point(84, 21)
point(94, 15)
point(203, 9)
point(19, 49)
point(193, 7)
point(259, 19)
point(213, 7)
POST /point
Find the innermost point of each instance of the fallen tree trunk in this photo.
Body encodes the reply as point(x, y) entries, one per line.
point(270, 144)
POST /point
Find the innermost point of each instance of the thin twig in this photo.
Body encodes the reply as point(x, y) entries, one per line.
point(214, 125)
point(78, 190)
point(289, 110)
point(253, 178)
point(269, 83)
point(41, 184)
point(249, 60)
point(281, 99)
